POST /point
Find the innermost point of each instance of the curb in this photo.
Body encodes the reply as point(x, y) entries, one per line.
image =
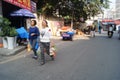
point(14, 51)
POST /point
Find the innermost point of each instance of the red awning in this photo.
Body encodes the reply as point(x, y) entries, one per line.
point(107, 20)
point(117, 22)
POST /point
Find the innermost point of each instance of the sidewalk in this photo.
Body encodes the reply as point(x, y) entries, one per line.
point(9, 52)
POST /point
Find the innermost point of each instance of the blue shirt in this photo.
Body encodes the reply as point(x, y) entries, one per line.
point(34, 30)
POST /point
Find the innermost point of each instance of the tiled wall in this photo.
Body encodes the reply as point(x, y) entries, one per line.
point(117, 9)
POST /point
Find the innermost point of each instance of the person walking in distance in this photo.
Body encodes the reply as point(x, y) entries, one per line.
point(45, 40)
point(93, 28)
point(33, 36)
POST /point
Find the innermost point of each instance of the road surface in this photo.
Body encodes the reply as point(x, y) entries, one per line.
point(83, 59)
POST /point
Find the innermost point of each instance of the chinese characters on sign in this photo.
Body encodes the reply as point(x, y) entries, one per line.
point(21, 3)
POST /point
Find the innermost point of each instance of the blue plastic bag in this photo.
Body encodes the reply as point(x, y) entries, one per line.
point(37, 46)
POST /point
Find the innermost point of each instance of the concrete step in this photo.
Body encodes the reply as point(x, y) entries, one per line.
point(9, 52)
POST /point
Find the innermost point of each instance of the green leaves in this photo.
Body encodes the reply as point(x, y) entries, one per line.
point(4, 25)
point(4, 22)
point(71, 8)
point(12, 32)
point(2, 34)
point(6, 29)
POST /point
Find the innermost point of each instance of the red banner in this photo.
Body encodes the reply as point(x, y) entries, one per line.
point(21, 3)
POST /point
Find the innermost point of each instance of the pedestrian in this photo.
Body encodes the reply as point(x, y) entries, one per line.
point(45, 41)
point(110, 28)
point(33, 36)
point(100, 29)
point(93, 28)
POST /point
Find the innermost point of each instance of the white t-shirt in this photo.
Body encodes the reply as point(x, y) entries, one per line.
point(45, 35)
point(110, 28)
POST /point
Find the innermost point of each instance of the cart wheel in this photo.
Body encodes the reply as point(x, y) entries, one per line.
point(71, 39)
point(63, 38)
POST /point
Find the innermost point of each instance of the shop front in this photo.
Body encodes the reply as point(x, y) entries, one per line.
point(9, 6)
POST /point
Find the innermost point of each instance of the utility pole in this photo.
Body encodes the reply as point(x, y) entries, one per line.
point(72, 18)
point(72, 9)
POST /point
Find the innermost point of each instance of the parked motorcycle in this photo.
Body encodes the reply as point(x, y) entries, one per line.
point(119, 32)
point(110, 31)
point(110, 34)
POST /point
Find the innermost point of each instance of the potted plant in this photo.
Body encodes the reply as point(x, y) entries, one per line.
point(4, 27)
point(2, 34)
point(4, 39)
point(7, 33)
point(12, 38)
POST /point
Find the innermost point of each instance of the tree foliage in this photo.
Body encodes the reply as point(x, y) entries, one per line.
point(71, 8)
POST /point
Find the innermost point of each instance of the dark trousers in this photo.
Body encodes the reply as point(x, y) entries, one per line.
point(45, 47)
point(33, 44)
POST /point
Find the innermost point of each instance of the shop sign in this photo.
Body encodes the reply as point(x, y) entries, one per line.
point(21, 3)
point(33, 6)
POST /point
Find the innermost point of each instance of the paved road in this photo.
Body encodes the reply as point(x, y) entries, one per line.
point(90, 59)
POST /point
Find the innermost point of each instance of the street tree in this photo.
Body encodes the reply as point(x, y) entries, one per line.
point(71, 9)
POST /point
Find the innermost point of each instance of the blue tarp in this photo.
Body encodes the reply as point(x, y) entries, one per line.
point(22, 33)
point(71, 33)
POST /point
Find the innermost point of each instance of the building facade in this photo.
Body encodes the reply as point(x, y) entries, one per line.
point(117, 9)
point(0, 7)
point(9, 6)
